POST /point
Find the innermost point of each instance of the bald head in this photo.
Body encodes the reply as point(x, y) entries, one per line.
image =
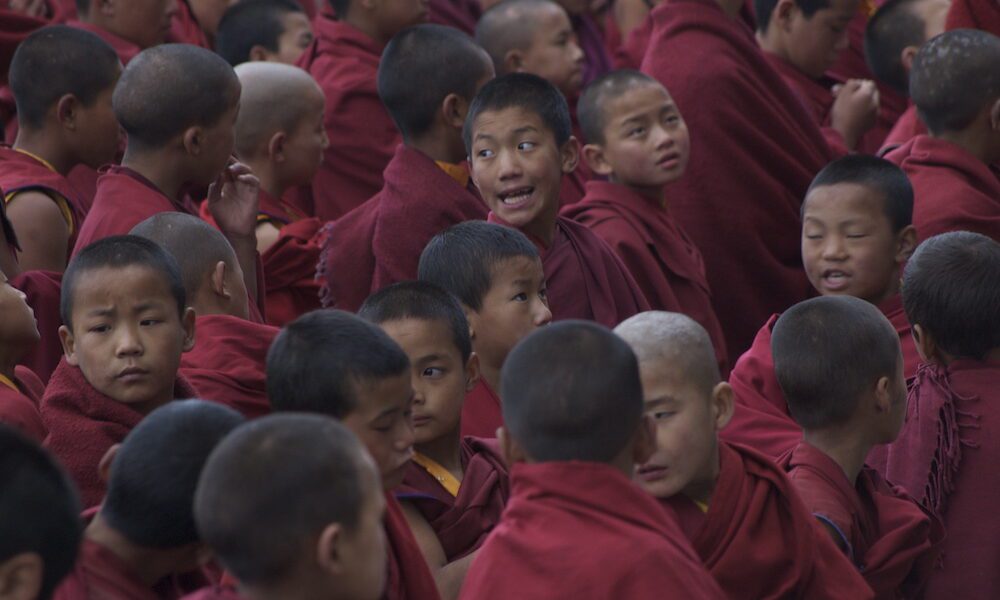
point(674, 339)
point(275, 98)
point(511, 25)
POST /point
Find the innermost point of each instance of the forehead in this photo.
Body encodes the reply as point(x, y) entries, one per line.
point(294, 21)
point(112, 284)
point(634, 98)
point(842, 8)
point(843, 201)
point(507, 122)
point(548, 19)
point(668, 374)
point(379, 396)
point(514, 269)
point(422, 336)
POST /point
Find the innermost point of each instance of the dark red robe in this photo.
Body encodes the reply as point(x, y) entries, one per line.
point(379, 243)
point(583, 530)
point(14, 27)
point(125, 49)
point(893, 541)
point(482, 414)
point(344, 62)
point(461, 522)
point(974, 14)
point(952, 189)
point(906, 128)
point(99, 573)
point(408, 577)
point(19, 407)
point(460, 14)
point(630, 54)
point(754, 151)
point(43, 290)
point(664, 262)
point(185, 29)
point(291, 287)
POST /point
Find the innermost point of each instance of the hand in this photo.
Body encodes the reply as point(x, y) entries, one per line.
point(31, 8)
point(234, 200)
point(855, 109)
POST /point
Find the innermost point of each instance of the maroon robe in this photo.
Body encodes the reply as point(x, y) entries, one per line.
point(974, 14)
point(758, 539)
point(482, 414)
point(893, 540)
point(906, 128)
point(14, 27)
point(289, 265)
point(344, 62)
point(664, 262)
point(43, 290)
point(19, 408)
point(461, 522)
point(583, 530)
point(754, 151)
point(952, 189)
point(184, 28)
point(99, 573)
point(408, 577)
point(125, 49)
point(630, 54)
point(460, 14)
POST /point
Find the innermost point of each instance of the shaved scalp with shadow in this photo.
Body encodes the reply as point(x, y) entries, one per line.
point(658, 336)
point(250, 23)
point(571, 391)
point(883, 177)
point(275, 97)
point(894, 26)
point(510, 25)
point(591, 109)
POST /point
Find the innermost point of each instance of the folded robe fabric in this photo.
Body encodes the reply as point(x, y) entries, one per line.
point(754, 152)
point(974, 14)
point(630, 53)
point(461, 522)
point(584, 531)
point(407, 577)
point(460, 14)
point(290, 285)
point(19, 407)
point(597, 60)
point(43, 290)
point(482, 413)
point(125, 49)
point(99, 573)
point(906, 128)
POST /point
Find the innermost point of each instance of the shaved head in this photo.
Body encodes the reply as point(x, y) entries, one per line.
point(675, 339)
point(510, 25)
point(275, 98)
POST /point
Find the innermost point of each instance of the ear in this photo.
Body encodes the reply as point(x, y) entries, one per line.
point(106, 7)
point(906, 243)
point(995, 116)
point(645, 440)
point(21, 576)
point(329, 551)
point(511, 451)
point(513, 61)
point(906, 57)
point(883, 395)
point(569, 154)
point(473, 318)
point(723, 404)
point(593, 155)
point(454, 109)
point(783, 13)
point(259, 53)
point(925, 343)
point(471, 372)
point(104, 466)
point(69, 345)
point(276, 147)
point(187, 322)
point(193, 139)
point(67, 111)
point(218, 280)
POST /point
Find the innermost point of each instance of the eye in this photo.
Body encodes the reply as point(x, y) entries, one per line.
point(521, 297)
point(636, 131)
point(663, 414)
point(484, 153)
point(856, 236)
point(149, 322)
point(543, 293)
point(526, 146)
point(100, 329)
point(813, 236)
point(672, 119)
point(433, 373)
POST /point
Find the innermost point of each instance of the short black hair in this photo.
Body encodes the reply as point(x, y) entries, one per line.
point(250, 23)
point(571, 391)
point(828, 351)
point(242, 503)
point(882, 176)
point(55, 61)
point(527, 92)
point(894, 26)
point(39, 509)
point(590, 109)
point(419, 300)
point(764, 8)
point(421, 66)
point(168, 88)
point(950, 288)
point(464, 258)
point(155, 472)
point(118, 252)
point(954, 76)
point(317, 361)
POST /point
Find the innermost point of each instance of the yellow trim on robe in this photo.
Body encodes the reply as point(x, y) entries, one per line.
point(443, 475)
point(702, 506)
point(457, 172)
point(62, 203)
point(9, 383)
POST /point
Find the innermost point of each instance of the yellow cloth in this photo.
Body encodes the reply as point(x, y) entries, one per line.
point(62, 203)
point(457, 172)
point(9, 383)
point(443, 475)
point(702, 506)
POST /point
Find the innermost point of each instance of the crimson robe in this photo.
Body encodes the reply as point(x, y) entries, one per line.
point(215, 592)
point(906, 128)
point(125, 49)
point(754, 151)
point(630, 53)
point(19, 408)
point(816, 95)
point(99, 573)
point(482, 414)
point(379, 243)
point(344, 61)
point(184, 28)
point(289, 266)
point(408, 577)
point(952, 189)
point(759, 540)
point(83, 423)
point(582, 530)
point(974, 14)
point(664, 262)
point(14, 27)
point(460, 14)
point(461, 522)
point(43, 290)
point(893, 540)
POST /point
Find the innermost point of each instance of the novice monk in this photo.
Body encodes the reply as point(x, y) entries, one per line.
point(856, 237)
point(20, 389)
point(62, 79)
point(737, 507)
point(428, 76)
point(344, 59)
point(519, 143)
point(263, 30)
point(333, 363)
point(637, 138)
point(144, 533)
point(331, 542)
point(946, 452)
point(455, 487)
point(496, 274)
point(576, 526)
point(125, 324)
point(955, 84)
point(39, 520)
point(128, 27)
point(227, 362)
point(839, 365)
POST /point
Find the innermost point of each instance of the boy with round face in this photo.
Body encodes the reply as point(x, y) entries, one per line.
point(263, 30)
point(18, 386)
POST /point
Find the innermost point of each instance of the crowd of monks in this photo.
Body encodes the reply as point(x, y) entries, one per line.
point(421, 299)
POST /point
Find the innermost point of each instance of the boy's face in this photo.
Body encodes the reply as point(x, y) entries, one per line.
point(384, 423)
point(554, 53)
point(439, 375)
point(217, 145)
point(18, 328)
point(518, 168)
point(99, 136)
point(128, 335)
point(365, 551)
point(296, 35)
point(815, 42)
point(848, 246)
point(145, 23)
point(305, 144)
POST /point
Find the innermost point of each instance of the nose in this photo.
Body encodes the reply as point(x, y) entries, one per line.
point(510, 165)
point(128, 342)
point(662, 137)
point(834, 248)
point(406, 436)
point(543, 316)
point(576, 51)
point(326, 140)
point(418, 392)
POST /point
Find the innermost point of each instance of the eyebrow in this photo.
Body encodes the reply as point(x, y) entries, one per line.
point(661, 401)
point(526, 129)
point(429, 358)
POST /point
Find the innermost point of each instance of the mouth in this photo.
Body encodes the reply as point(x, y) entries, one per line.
point(421, 420)
point(669, 162)
point(516, 197)
point(835, 279)
point(131, 374)
point(651, 472)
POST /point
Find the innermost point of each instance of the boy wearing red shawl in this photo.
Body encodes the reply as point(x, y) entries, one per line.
point(496, 274)
point(20, 389)
point(576, 525)
point(427, 79)
point(839, 364)
point(263, 30)
point(125, 325)
point(333, 363)
point(945, 454)
point(455, 487)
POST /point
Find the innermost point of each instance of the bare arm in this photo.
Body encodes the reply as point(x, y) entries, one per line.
point(448, 576)
point(42, 231)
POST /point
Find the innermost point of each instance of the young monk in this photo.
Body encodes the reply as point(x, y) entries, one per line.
point(735, 505)
point(125, 324)
point(519, 143)
point(427, 79)
point(62, 79)
point(856, 237)
point(496, 274)
point(955, 84)
point(263, 30)
point(945, 452)
point(128, 27)
point(332, 541)
point(20, 389)
point(144, 533)
point(227, 361)
point(39, 520)
point(637, 138)
point(344, 59)
point(334, 363)
point(839, 365)
point(576, 526)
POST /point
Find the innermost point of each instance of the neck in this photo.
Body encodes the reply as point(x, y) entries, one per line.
point(437, 147)
point(544, 225)
point(265, 172)
point(490, 373)
point(158, 169)
point(365, 26)
point(844, 446)
point(971, 142)
point(7, 366)
point(730, 7)
point(889, 292)
point(146, 564)
point(446, 451)
point(702, 488)
point(652, 192)
point(45, 147)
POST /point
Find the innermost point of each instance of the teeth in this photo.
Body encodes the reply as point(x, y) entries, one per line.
point(516, 198)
